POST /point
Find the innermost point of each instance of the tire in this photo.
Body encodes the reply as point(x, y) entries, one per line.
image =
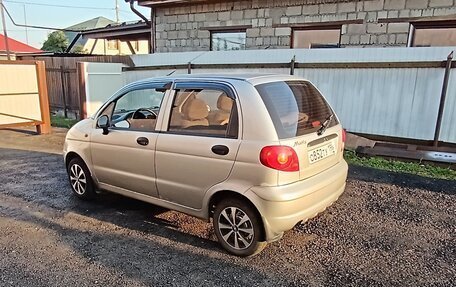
point(243, 238)
point(80, 179)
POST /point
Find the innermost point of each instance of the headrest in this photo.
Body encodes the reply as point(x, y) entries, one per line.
point(224, 103)
point(195, 109)
point(184, 96)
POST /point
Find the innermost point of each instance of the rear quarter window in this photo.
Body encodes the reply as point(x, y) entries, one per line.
point(296, 107)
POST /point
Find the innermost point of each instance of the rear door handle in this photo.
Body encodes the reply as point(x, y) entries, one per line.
point(220, 149)
point(142, 141)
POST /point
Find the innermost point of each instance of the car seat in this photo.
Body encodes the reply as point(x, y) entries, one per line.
point(222, 115)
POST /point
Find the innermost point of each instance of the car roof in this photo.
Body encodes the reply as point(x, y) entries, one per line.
point(253, 78)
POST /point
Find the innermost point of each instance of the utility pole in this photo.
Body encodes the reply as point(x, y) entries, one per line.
point(118, 21)
point(5, 33)
point(117, 11)
point(26, 29)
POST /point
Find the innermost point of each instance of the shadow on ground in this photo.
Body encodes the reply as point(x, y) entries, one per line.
point(387, 229)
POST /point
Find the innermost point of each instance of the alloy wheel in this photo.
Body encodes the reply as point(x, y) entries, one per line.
point(78, 179)
point(236, 228)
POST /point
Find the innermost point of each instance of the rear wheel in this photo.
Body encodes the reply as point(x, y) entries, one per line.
point(80, 179)
point(238, 228)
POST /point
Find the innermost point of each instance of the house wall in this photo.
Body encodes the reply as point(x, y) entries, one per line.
point(102, 48)
point(185, 28)
point(3, 56)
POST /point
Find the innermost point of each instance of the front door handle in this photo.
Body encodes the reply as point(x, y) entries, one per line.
point(142, 141)
point(220, 149)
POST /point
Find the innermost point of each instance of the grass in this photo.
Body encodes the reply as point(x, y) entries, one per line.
point(62, 122)
point(400, 166)
point(351, 157)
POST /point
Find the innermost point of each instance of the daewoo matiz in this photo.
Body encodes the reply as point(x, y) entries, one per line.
point(256, 153)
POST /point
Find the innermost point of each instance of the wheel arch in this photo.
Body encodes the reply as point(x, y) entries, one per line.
point(71, 155)
point(222, 194)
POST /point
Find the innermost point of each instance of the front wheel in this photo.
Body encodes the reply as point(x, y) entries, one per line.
point(238, 228)
point(80, 179)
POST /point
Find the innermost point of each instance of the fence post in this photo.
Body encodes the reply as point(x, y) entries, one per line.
point(293, 65)
point(189, 68)
point(45, 126)
point(62, 80)
point(442, 99)
point(82, 90)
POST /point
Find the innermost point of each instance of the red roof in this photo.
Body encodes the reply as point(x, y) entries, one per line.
point(16, 46)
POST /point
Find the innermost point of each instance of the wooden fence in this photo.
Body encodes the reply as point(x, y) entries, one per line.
point(63, 81)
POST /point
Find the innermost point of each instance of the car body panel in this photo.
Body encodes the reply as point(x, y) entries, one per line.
point(118, 160)
point(186, 167)
point(282, 207)
point(180, 172)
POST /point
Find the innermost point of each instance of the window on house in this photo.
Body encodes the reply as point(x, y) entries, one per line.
point(228, 40)
point(316, 38)
point(113, 44)
point(433, 35)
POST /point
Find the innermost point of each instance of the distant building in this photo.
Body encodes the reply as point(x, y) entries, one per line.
point(15, 47)
point(203, 25)
point(103, 45)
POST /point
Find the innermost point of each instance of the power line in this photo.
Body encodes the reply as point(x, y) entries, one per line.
point(57, 5)
point(34, 26)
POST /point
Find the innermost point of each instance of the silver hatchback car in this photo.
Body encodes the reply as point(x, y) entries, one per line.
point(256, 153)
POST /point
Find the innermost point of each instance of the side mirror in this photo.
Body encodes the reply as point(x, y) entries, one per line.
point(103, 122)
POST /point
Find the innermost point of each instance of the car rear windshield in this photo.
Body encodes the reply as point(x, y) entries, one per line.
point(295, 107)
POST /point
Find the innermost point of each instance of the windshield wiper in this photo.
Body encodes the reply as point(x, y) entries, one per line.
point(325, 125)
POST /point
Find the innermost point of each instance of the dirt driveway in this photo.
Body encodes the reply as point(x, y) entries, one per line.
point(386, 230)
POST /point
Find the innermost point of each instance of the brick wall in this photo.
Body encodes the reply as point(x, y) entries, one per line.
point(186, 28)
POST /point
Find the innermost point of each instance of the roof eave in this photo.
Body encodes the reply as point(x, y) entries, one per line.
point(159, 3)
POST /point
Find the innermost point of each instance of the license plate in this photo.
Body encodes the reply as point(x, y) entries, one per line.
point(322, 152)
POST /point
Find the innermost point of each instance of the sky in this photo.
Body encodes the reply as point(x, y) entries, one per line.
point(48, 13)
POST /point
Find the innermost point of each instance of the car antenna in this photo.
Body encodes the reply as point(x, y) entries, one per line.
point(171, 73)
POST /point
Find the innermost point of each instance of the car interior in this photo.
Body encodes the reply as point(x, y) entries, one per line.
point(202, 112)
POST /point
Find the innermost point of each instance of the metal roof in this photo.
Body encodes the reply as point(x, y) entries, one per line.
point(16, 46)
point(138, 30)
point(152, 3)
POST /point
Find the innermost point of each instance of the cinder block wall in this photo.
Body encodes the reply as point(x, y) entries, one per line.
point(186, 28)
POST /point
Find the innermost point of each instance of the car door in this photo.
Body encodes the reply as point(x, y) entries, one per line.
point(124, 157)
point(198, 145)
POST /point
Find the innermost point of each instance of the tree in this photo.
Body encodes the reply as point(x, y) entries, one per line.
point(56, 42)
point(79, 49)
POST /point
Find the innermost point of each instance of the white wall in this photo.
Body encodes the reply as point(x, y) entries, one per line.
point(102, 81)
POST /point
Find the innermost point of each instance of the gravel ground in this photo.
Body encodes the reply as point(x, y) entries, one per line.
point(386, 230)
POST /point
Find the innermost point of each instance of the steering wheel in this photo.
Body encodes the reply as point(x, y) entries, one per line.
point(137, 113)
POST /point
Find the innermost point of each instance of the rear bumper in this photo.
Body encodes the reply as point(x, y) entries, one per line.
point(282, 207)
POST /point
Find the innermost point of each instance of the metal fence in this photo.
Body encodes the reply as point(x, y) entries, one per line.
point(391, 92)
point(23, 95)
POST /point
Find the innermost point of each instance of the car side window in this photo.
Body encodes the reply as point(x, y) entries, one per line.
point(205, 112)
point(137, 110)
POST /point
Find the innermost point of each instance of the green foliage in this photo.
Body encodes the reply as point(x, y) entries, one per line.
point(79, 49)
point(399, 166)
point(61, 122)
point(56, 42)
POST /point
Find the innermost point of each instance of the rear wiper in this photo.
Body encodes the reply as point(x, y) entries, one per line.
point(325, 125)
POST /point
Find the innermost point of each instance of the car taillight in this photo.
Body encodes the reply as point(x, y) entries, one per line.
point(344, 138)
point(283, 158)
